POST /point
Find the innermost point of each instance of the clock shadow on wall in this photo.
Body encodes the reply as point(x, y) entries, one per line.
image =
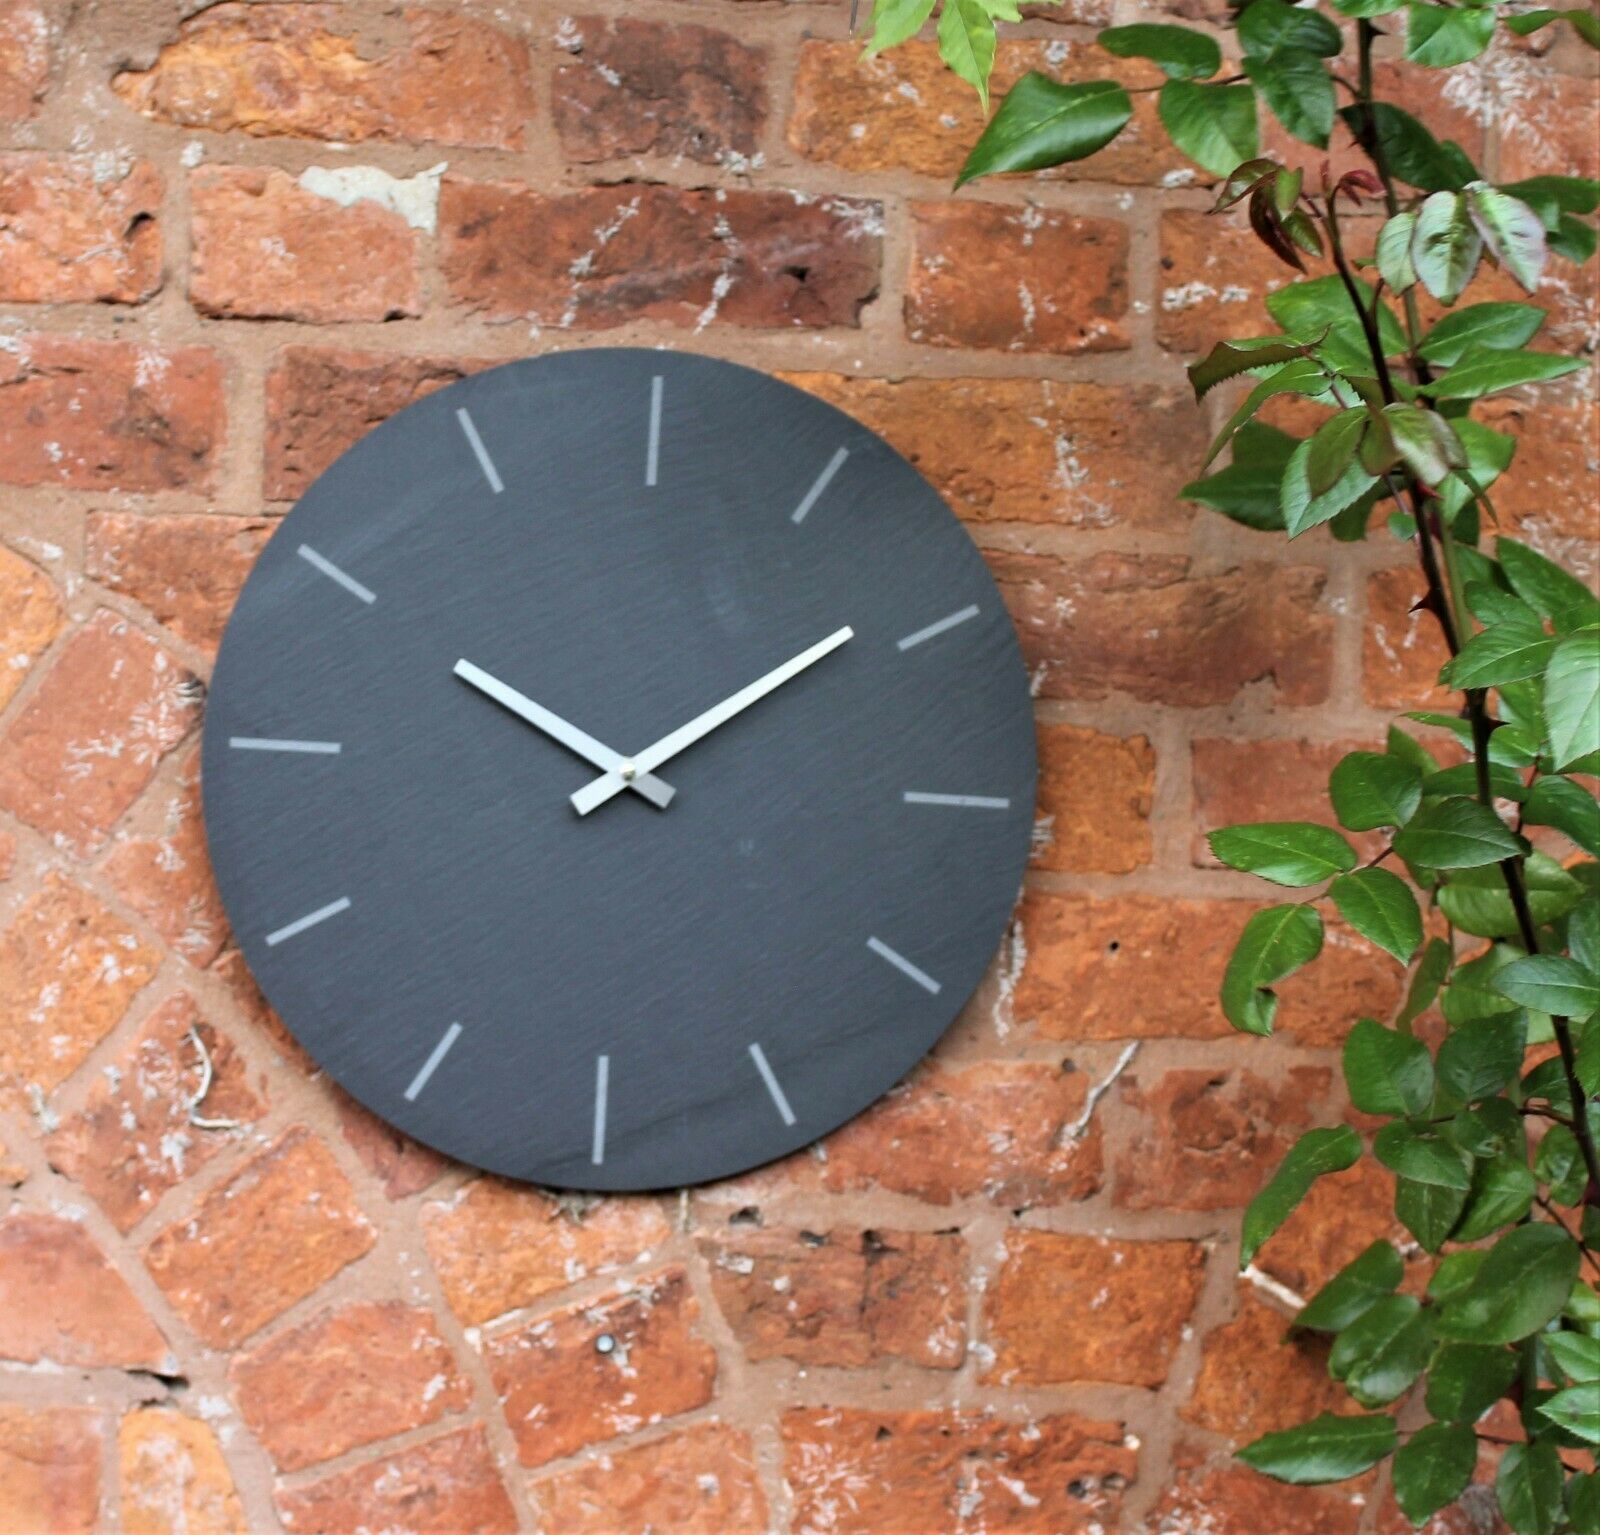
point(619, 769)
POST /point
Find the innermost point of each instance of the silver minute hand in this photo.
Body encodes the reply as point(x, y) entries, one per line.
point(595, 794)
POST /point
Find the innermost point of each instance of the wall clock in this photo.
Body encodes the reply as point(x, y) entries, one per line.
point(619, 769)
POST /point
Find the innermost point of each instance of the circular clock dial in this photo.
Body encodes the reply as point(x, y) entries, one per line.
point(619, 769)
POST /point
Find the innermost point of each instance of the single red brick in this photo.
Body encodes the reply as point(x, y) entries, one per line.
point(1231, 1499)
point(560, 1393)
point(108, 415)
point(173, 1479)
point(1025, 279)
point(1150, 626)
point(320, 402)
point(280, 1228)
point(27, 40)
point(61, 1303)
point(1215, 276)
point(500, 1245)
point(185, 570)
point(1094, 801)
point(1541, 500)
point(134, 1138)
point(76, 234)
point(265, 248)
point(1144, 967)
point(1034, 450)
point(89, 739)
point(700, 1481)
point(447, 1485)
point(844, 1297)
point(1208, 1140)
point(1333, 1225)
point(69, 967)
point(855, 1472)
point(608, 255)
point(31, 617)
point(401, 1165)
point(1402, 646)
point(419, 76)
point(634, 87)
point(1553, 127)
point(50, 1466)
point(346, 1378)
point(1129, 1303)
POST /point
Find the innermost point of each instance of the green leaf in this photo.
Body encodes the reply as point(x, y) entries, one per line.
point(1370, 790)
point(1455, 834)
point(1248, 490)
point(1569, 194)
point(1285, 852)
point(1521, 1286)
point(1412, 153)
point(1528, 1487)
point(1265, 26)
point(1314, 1155)
point(1446, 246)
point(1438, 37)
point(1498, 327)
point(1559, 1162)
point(1428, 1211)
point(1505, 652)
point(1296, 85)
point(1465, 1380)
point(1275, 943)
point(967, 43)
point(1426, 979)
point(1332, 448)
point(1303, 510)
point(1454, 1275)
point(1501, 1194)
point(1576, 1353)
point(1471, 992)
point(1585, 23)
point(1559, 802)
point(1572, 699)
point(895, 21)
point(1544, 585)
point(1477, 901)
point(1387, 1072)
point(1180, 53)
point(1550, 983)
point(1214, 125)
point(1482, 371)
point(1356, 1287)
point(1380, 906)
point(1380, 1355)
point(1583, 933)
point(1583, 1502)
point(1330, 1448)
point(1481, 1056)
point(1307, 309)
point(1511, 230)
point(1228, 360)
point(1394, 251)
point(1577, 1409)
point(1302, 375)
point(1425, 440)
point(1433, 1468)
point(1573, 240)
point(1041, 123)
point(1423, 1156)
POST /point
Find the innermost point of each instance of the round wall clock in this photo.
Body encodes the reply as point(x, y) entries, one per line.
point(619, 769)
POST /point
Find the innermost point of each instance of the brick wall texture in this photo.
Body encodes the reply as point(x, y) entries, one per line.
point(234, 238)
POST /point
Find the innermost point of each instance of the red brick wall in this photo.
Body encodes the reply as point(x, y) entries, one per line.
point(1004, 1299)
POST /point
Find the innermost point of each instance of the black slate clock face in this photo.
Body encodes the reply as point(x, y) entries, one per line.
point(619, 769)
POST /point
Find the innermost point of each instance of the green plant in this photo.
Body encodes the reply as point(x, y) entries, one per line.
point(1495, 1159)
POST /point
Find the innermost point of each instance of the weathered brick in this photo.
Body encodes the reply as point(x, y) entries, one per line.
point(27, 37)
point(50, 1467)
point(904, 110)
point(631, 87)
point(855, 1472)
point(320, 402)
point(31, 617)
point(560, 1393)
point(1552, 128)
point(1094, 800)
point(1402, 647)
point(1257, 1377)
point(446, 1485)
point(1333, 1225)
point(346, 1378)
point(13, 1172)
point(301, 69)
point(1154, 627)
point(999, 277)
point(165, 875)
point(844, 1297)
point(76, 233)
point(63, 1304)
point(701, 1481)
point(401, 1165)
point(69, 967)
point(1034, 450)
point(1231, 1499)
point(264, 248)
point(1208, 1140)
point(1140, 967)
point(108, 415)
point(607, 255)
point(1215, 275)
point(1129, 1303)
point(1548, 498)
point(281, 1227)
point(500, 1245)
point(134, 1138)
point(95, 730)
point(173, 1479)
point(185, 570)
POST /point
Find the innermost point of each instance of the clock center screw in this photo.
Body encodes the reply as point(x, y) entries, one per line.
point(627, 772)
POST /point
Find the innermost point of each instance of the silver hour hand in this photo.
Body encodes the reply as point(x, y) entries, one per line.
point(624, 776)
point(592, 751)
